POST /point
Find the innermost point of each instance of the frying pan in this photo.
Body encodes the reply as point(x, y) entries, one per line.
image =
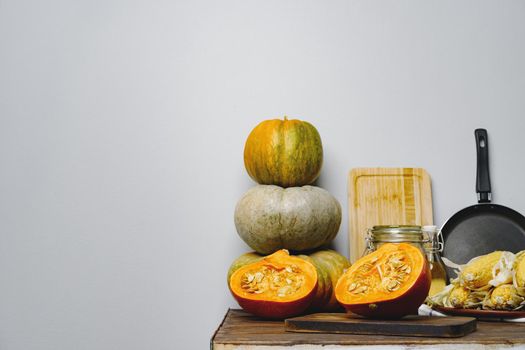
point(484, 227)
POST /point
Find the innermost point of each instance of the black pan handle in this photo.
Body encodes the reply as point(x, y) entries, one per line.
point(482, 175)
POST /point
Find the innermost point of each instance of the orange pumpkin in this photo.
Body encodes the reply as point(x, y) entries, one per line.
point(285, 152)
point(276, 286)
point(390, 283)
point(330, 266)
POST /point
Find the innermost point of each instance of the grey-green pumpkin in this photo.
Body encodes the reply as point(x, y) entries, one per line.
point(269, 218)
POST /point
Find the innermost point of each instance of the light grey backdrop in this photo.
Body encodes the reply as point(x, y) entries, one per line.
point(123, 125)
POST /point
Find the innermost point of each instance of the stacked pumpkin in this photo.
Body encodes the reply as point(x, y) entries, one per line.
point(284, 214)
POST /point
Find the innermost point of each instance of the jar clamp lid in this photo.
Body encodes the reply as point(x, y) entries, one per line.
point(428, 236)
point(397, 234)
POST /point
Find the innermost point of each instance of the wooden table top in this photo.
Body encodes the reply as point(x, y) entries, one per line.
point(241, 330)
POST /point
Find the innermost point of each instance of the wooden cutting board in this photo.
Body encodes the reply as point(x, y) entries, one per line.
point(386, 196)
point(415, 326)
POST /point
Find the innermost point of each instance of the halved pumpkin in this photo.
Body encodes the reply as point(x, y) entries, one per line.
point(330, 266)
point(389, 283)
point(276, 286)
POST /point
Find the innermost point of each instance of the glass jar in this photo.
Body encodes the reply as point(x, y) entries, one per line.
point(434, 250)
point(427, 238)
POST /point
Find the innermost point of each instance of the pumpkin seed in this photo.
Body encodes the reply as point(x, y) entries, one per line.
point(393, 285)
point(259, 276)
point(379, 271)
point(361, 289)
point(284, 290)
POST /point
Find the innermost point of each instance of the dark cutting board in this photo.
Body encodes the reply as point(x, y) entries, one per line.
point(418, 326)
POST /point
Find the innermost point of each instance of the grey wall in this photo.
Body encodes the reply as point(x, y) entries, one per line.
point(122, 130)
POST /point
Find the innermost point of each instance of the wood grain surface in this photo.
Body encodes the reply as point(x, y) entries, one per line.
point(386, 196)
point(415, 326)
point(241, 330)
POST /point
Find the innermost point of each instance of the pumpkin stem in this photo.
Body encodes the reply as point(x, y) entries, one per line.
point(285, 118)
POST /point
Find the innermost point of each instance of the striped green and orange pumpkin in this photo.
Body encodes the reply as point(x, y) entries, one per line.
point(333, 265)
point(284, 152)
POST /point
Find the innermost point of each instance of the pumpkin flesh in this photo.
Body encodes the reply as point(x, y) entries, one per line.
point(276, 286)
point(391, 282)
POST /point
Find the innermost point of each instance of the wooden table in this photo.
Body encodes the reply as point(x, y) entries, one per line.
point(240, 330)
